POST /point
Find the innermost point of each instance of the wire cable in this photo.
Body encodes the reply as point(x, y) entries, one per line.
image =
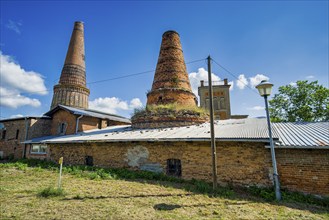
point(98, 81)
point(233, 75)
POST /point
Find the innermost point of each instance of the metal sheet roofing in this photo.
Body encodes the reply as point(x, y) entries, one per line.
point(314, 134)
point(89, 112)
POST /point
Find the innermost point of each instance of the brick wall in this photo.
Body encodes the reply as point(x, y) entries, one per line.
point(12, 146)
point(62, 116)
point(239, 163)
point(306, 169)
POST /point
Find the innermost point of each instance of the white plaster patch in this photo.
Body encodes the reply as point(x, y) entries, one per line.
point(136, 156)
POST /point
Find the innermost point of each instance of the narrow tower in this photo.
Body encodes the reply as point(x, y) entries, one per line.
point(71, 89)
point(171, 83)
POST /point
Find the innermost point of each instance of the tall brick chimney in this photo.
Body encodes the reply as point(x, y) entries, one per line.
point(171, 83)
point(71, 89)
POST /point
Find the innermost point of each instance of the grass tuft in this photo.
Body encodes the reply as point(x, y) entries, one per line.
point(51, 192)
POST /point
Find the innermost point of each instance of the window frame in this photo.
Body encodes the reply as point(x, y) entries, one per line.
point(40, 146)
point(174, 167)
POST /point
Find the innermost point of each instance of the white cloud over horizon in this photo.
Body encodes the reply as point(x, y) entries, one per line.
point(114, 105)
point(15, 80)
point(16, 116)
point(310, 77)
point(256, 108)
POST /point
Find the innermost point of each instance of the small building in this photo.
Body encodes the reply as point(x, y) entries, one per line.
point(243, 152)
point(14, 131)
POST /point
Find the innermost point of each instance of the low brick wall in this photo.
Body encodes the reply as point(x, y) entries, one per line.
point(305, 170)
point(239, 163)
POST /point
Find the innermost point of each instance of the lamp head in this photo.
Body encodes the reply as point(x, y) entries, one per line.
point(264, 88)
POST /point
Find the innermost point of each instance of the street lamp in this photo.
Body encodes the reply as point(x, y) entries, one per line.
point(264, 89)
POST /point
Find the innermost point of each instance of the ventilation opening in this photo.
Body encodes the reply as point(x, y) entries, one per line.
point(174, 167)
point(17, 133)
point(89, 161)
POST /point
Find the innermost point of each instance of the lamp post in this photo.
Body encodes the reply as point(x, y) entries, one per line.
point(264, 89)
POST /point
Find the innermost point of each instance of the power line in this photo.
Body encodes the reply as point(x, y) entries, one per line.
point(234, 76)
point(99, 81)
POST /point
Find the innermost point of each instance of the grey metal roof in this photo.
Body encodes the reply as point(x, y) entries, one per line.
point(285, 134)
point(24, 117)
point(89, 112)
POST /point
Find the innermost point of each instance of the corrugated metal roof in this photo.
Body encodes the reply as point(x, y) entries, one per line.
point(90, 112)
point(253, 129)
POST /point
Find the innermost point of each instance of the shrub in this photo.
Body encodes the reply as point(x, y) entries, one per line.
point(51, 192)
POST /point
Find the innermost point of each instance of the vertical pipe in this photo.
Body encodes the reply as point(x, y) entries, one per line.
point(77, 123)
point(275, 170)
point(212, 129)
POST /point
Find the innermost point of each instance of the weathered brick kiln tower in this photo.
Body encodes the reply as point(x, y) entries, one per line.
point(171, 101)
point(71, 89)
point(171, 83)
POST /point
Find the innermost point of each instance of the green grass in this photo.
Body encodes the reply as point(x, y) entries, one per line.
point(51, 192)
point(173, 109)
point(98, 193)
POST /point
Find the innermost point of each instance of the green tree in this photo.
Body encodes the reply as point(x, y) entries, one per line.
point(305, 101)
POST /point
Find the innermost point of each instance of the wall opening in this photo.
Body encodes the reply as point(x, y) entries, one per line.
point(174, 167)
point(62, 128)
point(3, 135)
point(89, 161)
point(17, 133)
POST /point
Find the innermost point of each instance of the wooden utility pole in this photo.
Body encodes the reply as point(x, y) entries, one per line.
point(212, 129)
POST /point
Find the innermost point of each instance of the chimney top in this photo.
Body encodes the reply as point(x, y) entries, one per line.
point(170, 32)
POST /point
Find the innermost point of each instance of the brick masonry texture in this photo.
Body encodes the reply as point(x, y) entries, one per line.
point(12, 146)
point(239, 163)
point(72, 90)
point(171, 83)
point(85, 123)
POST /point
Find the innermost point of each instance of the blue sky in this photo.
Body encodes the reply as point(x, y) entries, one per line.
point(285, 41)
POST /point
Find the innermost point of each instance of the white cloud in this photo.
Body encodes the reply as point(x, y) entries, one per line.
point(242, 82)
point(15, 80)
point(310, 77)
point(135, 103)
point(114, 105)
point(256, 108)
point(196, 77)
point(254, 81)
point(14, 26)
point(14, 76)
point(232, 85)
point(12, 99)
point(16, 116)
point(293, 84)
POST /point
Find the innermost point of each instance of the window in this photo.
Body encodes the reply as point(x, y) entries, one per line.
point(62, 128)
point(89, 161)
point(216, 104)
point(3, 136)
point(174, 167)
point(38, 149)
point(17, 133)
point(222, 103)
